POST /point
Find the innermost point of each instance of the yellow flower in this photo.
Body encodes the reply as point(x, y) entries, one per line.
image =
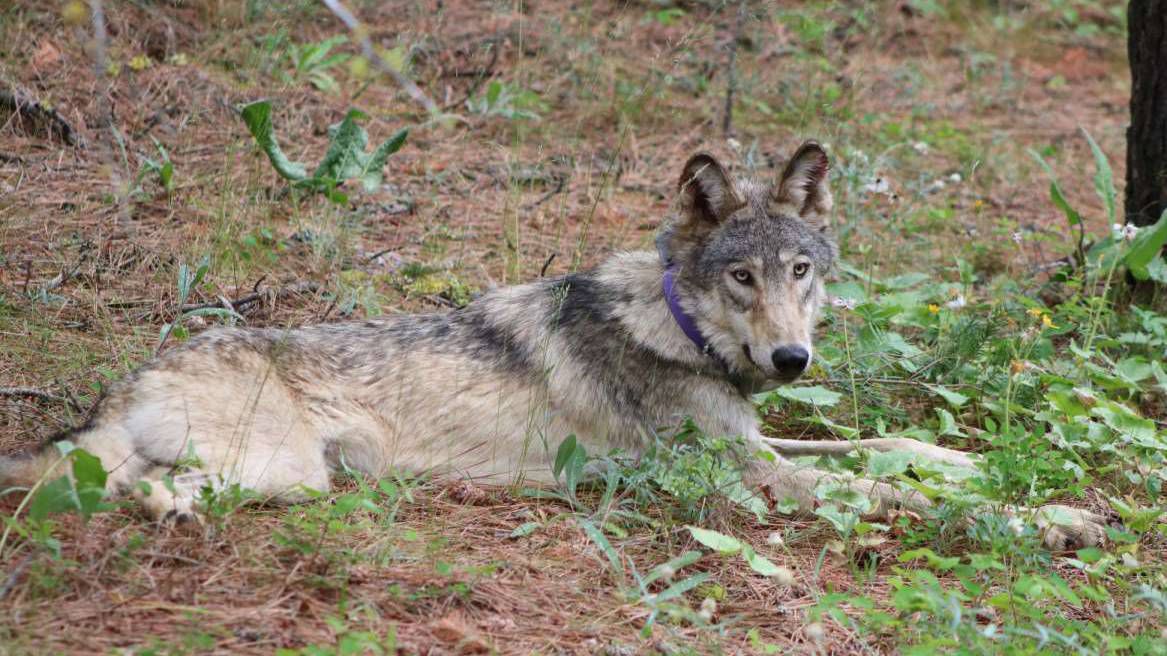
point(1036, 312)
point(933, 308)
point(140, 63)
point(1047, 322)
point(978, 204)
point(75, 13)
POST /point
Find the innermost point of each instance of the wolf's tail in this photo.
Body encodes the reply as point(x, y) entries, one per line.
point(111, 443)
point(25, 469)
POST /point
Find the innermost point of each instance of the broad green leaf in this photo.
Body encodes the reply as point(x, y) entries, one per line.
point(681, 587)
point(1125, 422)
point(1146, 248)
point(955, 399)
point(347, 141)
point(601, 541)
point(674, 565)
point(566, 448)
point(372, 173)
point(1160, 376)
point(889, 463)
point(53, 497)
point(525, 529)
point(257, 116)
point(718, 542)
point(843, 521)
point(1055, 193)
point(948, 424)
point(816, 395)
point(935, 561)
point(89, 481)
point(760, 563)
point(1103, 178)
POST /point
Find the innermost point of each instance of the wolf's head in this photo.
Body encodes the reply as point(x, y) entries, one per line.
point(750, 261)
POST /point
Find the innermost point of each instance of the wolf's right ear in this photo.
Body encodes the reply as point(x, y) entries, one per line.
point(707, 198)
point(707, 194)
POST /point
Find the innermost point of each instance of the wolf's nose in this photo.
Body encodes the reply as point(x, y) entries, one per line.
point(790, 360)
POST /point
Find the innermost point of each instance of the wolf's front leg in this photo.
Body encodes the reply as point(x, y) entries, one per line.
point(784, 480)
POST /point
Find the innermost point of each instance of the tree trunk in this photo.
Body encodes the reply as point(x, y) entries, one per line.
point(1146, 138)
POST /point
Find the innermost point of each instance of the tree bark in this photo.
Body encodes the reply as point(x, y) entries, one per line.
point(1146, 158)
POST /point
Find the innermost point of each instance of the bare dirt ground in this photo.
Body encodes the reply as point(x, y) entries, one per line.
point(90, 250)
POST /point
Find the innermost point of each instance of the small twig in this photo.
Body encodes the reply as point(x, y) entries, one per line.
point(550, 259)
point(168, 556)
point(560, 183)
point(361, 33)
point(34, 393)
point(238, 305)
point(28, 112)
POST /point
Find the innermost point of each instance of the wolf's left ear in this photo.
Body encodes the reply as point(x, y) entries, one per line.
point(803, 189)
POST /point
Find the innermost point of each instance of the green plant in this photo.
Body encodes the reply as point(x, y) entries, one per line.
point(344, 160)
point(187, 281)
point(162, 168)
point(508, 101)
point(311, 62)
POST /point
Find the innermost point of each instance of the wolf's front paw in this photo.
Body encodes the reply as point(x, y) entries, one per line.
point(186, 521)
point(1064, 528)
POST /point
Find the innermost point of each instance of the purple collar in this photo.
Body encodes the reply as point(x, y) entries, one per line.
point(684, 321)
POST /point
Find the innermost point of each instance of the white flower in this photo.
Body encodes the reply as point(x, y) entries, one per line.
point(955, 178)
point(920, 147)
point(1018, 238)
point(956, 303)
point(708, 608)
point(844, 303)
point(1130, 231)
point(815, 631)
point(877, 186)
point(775, 539)
point(1016, 525)
point(734, 144)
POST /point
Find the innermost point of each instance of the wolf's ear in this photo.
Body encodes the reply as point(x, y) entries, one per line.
point(707, 198)
point(707, 194)
point(803, 188)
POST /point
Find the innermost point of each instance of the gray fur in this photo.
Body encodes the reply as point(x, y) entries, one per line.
point(488, 391)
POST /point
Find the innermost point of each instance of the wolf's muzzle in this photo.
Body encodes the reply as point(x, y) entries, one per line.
point(790, 361)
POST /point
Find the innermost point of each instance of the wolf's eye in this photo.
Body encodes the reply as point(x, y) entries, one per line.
point(800, 269)
point(743, 276)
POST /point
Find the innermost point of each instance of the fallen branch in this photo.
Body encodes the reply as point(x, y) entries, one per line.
point(241, 304)
point(361, 33)
point(28, 114)
point(34, 393)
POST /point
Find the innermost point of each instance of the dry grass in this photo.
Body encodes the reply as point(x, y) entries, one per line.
point(87, 272)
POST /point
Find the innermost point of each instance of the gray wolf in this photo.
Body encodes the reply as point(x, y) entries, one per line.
point(724, 308)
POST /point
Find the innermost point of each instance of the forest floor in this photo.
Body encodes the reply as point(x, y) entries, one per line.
point(573, 122)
